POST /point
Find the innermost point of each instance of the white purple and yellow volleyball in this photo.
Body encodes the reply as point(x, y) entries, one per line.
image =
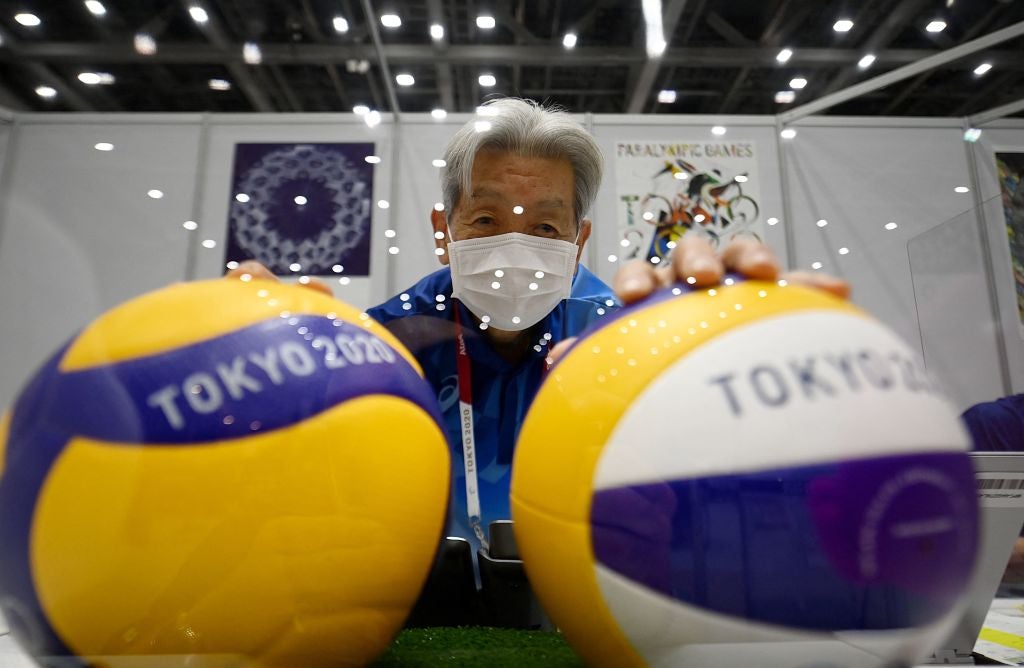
point(755, 474)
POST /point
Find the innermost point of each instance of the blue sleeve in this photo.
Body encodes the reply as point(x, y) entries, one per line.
point(996, 425)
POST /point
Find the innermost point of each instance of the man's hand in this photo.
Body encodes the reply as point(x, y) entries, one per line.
point(694, 262)
point(254, 269)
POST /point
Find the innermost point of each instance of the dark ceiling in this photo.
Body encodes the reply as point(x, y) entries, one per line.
point(721, 55)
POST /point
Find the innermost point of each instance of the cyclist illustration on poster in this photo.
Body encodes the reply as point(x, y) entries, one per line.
point(667, 190)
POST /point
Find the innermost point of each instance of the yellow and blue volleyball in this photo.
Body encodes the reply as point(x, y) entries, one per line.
point(223, 473)
point(756, 474)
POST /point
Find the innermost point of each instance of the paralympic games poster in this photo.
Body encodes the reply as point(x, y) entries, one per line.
point(670, 189)
point(1010, 171)
point(302, 208)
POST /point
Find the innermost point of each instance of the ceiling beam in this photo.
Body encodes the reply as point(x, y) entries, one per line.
point(215, 34)
point(996, 113)
point(319, 54)
point(895, 21)
point(382, 59)
point(889, 78)
point(642, 89)
point(444, 70)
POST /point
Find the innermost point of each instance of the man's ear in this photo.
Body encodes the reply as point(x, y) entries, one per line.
point(582, 241)
point(439, 221)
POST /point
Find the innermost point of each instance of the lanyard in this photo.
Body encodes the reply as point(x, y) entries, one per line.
point(466, 424)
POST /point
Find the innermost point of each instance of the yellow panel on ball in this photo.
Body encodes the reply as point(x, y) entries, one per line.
point(695, 429)
point(168, 318)
point(284, 547)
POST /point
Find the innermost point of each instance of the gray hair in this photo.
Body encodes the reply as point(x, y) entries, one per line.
point(526, 128)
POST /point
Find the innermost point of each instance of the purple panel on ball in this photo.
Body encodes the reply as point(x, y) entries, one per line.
point(878, 543)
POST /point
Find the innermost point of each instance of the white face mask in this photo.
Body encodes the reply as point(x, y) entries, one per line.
point(511, 281)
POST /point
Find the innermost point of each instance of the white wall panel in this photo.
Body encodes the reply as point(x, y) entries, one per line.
point(79, 234)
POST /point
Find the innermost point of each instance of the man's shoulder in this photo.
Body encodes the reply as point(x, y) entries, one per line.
point(419, 298)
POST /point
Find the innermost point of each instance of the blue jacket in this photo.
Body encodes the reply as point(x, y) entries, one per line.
point(997, 425)
point(502, 392)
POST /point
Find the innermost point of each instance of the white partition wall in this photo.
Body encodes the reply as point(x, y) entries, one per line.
point(78, 233)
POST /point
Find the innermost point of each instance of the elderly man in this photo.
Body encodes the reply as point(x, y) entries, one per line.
point(513, 291)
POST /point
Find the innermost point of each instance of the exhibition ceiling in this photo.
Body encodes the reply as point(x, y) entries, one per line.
point(608, 56)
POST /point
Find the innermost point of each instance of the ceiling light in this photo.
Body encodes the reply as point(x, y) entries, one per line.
point(972, 134)
point(822, 223)
point(569, 40)
point(844, 250)
point(27, 20)
point(718, 130)
point(155, 194)
point(372, 118)
point(655, 32)
point(487, 80)
point(251, 53)
point(788, 133)
point(936, 26)
point(89, 78)
point(439, 114)
point(360, 110)
point(104, 146)
point(961, 189)
point(981, 69)
point(144, 44)
point(784, 55)
point(666, 96)
point(405, 79)
point(198, 14)
point(436, 31)
point(340, 24)
point(96, 7)
point(785, 96)
point(220, 84)
point(797, 83)
point(842, 25)
point(106, 78)
point(866, 61)
point(485, 22)
point(438, 162)
point(891, 226)
point(390, 20)
point(46, 92)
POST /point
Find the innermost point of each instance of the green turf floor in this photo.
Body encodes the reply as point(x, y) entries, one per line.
point(478, 646)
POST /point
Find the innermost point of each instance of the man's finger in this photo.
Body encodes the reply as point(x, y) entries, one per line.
point(558, 351)
point(751, 258)
point(812, 279)
point(634, 281)
point(694, 258)
point(252, 269)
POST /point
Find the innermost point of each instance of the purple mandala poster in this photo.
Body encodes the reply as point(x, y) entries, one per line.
point(301, 208)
